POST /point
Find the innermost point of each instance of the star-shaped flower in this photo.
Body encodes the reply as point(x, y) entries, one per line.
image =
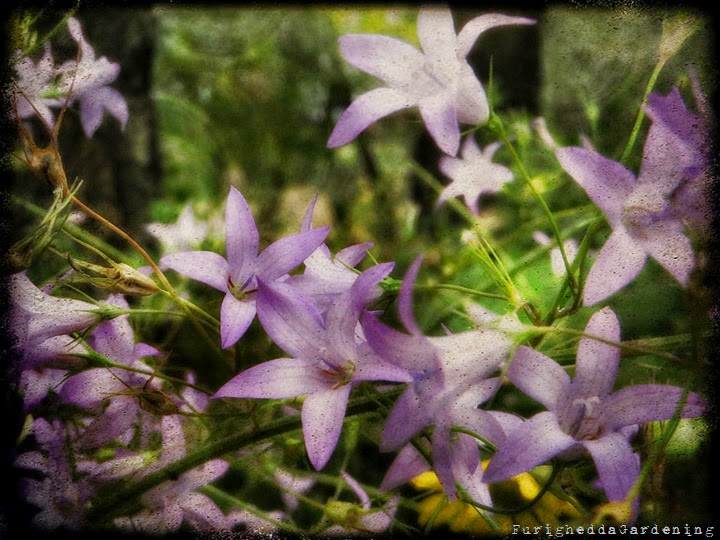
point(473, 174)
point(237, 276)
point(437, 79)
point(327, 358)
point(642, 222)
point(584, 414)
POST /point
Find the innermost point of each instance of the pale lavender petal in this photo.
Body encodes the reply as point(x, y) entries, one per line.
point(93, 105)
point(276, 379)
point(408, 464)
point(405, 300)
point(306, 224)
point(648, 403)
point(472, 30)
point(241, 235)
point(440, 116)
point(669, 246)
point(597, 362)
point(413, 353)
point(389, 59)
point(471, 100)
point(408, 416)
point(202, 513)
point(365, 110)
point(370, 367)
point(619, 262)
point(322, 418)
point(235, 318)
point(436, 33)
point(287, 253)
point(344, 313)
point(618, 466)
point(533, 443)
point(203, 266)
point(606, 182)
point(352, 255)
point(291, 320)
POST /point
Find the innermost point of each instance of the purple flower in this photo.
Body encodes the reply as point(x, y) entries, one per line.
point(638, 213)
point(584, 414)
point(174, 502)
point(90, 78)
point(186, 233)
point(35, 81)
point(326, 276)
point(678, 152)
point(41, 323)
point(438, 80)
point(327, 358)
point(450, 378)
point(473, 174)
point(237, 276)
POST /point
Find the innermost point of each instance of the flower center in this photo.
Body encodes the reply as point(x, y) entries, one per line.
point(583, 420)
point(238, 291)
point(341, 374)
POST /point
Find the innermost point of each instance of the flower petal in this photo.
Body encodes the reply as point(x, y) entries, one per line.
point(642, 403)
point(286, 253)
point(472, 30)
point(668, 245)
point(605, 181)
point(408, 464)
point(597, 362)
point(409, 415)
point(436, 33)
point(235, 318)
point(619, 262)
point(290, 319)
point(275, 379)
point(241, 235)
point(365, 110)
point(440, 116)
point(322, 420)
point(538, 376)
point(533, 443)
point(203, 266)
point(617, 464)
point(392, 60)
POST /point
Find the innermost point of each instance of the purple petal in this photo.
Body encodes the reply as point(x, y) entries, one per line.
point(669, 246)
point(642, 403)
point(538, 376)
point(235, 318)
point(472, 30)
point(618, 466)
point(344, 313)
point(405, 301)
point(533, 443)
point(365, 110)
point(440, 116)
point(409, 415)
point(389, 59)
point(597, 362)
point(322, 419)
point(286, 253)
point(306, 224)
point(203, 266)
point(291, 320)
point(408, 464)
point(619, 262)
point(371, 367)
point(606, 182)
point(352, 255)
point(241, 235)
point(413, 353)
point(275, 379)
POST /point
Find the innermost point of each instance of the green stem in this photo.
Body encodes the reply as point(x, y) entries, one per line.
point(119, 498)
point(641, 110)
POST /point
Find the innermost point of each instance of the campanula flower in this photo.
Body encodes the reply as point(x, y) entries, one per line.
point(438, 79)
point(237, 275)
point(473, 174)
point(584, 413)
point(326, 358)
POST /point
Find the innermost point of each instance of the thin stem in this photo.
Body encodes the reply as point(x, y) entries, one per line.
point(119, 498)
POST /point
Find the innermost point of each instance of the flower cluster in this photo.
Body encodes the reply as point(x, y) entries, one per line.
point(122, 433)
